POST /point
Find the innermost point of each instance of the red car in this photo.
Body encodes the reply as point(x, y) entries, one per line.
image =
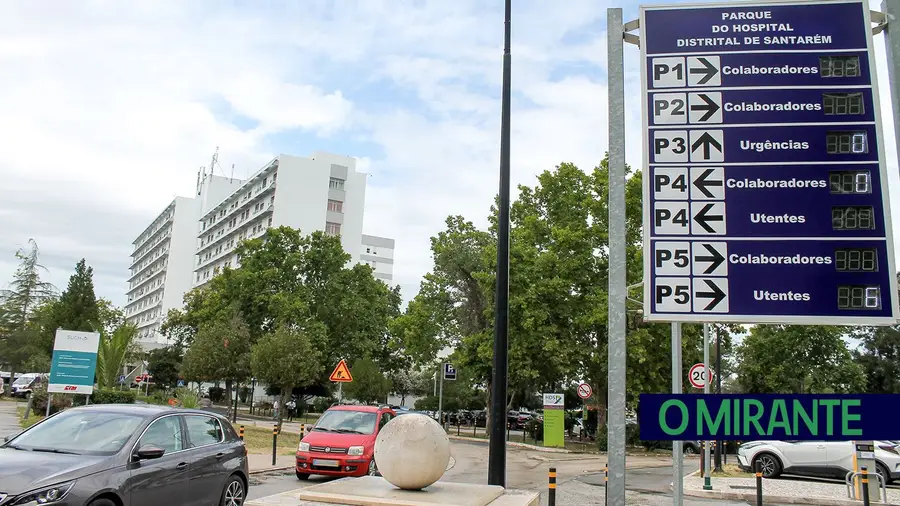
point(342, 443)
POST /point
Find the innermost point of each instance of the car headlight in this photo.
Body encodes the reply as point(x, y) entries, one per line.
point(48, 495)
point(304, 447)
point(747, 446)
point(356, 451)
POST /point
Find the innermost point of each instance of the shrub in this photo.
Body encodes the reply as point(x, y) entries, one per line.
point(535, 428)
point(187, 398)
point(39, 401)
point(113, 397)
point(216, 394)
point(244, 394)
point(632, 435)
point(602, 442)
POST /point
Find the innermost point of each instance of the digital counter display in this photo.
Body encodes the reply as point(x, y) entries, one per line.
point(847, 143)
point(859, 297)
point(856, 260)
point(839, 66)
point(853, 218)
point(843, 104)
point(850, 182)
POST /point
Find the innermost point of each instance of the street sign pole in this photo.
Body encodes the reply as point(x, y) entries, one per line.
point(441, 398)
point(718, 391)
point(500, 376)
point(707, 485)
point(891, 9)
point(677, 448)
point(615, 421)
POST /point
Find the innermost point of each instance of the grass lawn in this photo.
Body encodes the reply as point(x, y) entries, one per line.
point(731, 471)
point(259, 440)
point(31, 420)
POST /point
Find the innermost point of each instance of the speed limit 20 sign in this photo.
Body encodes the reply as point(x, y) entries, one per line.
point(697, 376)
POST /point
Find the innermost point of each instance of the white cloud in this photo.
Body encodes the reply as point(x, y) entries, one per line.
point(107, 109)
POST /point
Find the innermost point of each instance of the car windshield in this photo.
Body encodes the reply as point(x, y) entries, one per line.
point(351, 422)
point(80, 433)
point(23, 380)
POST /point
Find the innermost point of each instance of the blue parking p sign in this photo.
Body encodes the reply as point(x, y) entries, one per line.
point(449, 372)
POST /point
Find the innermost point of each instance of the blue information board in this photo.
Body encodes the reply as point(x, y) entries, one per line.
point(765, 192)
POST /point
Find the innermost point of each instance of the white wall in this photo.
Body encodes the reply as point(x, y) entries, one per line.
point(180, 269)
point(301, 194)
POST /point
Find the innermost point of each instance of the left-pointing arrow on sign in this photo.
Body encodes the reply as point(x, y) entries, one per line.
point(705, 217)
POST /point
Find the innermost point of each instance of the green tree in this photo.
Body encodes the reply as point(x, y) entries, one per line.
point(879, 356)
point(19, 333)
point(164, 365)
point(112, 354)
point(369, 385)
point(798, 359)
point(220, 351)
point(77, 307)
point(288, 358)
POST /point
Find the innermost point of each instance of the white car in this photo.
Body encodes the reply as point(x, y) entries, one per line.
point(827, 459)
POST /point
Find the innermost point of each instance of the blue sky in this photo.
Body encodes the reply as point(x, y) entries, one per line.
point(109, 109)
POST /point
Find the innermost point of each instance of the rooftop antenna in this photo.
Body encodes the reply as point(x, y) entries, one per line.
point(214, 161)
point(232, 173)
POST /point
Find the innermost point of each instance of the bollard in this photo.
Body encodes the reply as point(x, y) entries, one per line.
point(241, 432)
point(457, 427)
point(865, 485)
point(605, 483)
point(302, 430)
point(274, 444)
point(475, 429)
point(759, 494)
point(552, 490)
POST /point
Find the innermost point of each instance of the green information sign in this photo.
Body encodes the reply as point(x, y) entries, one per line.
point(554, 421)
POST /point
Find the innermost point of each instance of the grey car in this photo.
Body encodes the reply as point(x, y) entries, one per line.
point(125, 455)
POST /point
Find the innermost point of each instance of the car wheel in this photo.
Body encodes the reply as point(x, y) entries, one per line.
point(373, 469)
point(302, 476)
point(689, 449)
point(885, 474)
point(233, 495)
point(768, 465)
point(102, 502)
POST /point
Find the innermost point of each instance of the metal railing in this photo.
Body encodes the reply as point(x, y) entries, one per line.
point(851, 486)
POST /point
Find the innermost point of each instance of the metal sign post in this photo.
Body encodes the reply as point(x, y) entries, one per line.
point(707, 485)
point(615, 421)
point(677, 448)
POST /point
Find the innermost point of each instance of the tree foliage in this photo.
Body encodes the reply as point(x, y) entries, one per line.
point(879, 357)
point(27, 292)
point(288, 358)
point(558, 293)
point(798, 359)
point(290, 280)
point(112, 354)
point(369, 385)
point(164, 364)
point(220, 351)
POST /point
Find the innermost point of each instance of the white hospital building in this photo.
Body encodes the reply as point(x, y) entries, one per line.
point(194, 238)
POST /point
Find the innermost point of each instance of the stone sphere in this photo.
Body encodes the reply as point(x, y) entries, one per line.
point(412, 451)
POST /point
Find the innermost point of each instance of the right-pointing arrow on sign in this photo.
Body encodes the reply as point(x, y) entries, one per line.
point(715, 294)
point(708, 70)
point(714, 258)
point(709, 106)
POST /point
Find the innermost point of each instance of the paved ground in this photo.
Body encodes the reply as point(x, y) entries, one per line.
point(527, 469)
point(9, 419)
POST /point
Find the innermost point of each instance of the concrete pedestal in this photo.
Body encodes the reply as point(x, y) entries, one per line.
point(373, 491)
